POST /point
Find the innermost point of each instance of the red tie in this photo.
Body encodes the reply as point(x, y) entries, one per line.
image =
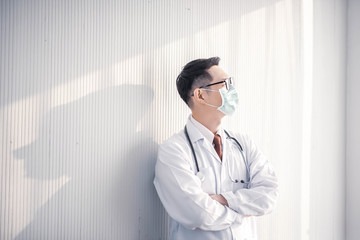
point(217, 143)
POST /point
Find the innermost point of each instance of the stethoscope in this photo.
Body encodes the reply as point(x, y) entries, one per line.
point(246, 183)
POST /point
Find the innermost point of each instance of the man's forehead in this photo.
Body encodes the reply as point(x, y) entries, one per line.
point(217, 73)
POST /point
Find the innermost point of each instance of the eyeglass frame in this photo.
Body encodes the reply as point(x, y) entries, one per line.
point(227, 81)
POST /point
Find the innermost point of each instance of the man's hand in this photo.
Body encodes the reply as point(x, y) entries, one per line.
point(220, 199)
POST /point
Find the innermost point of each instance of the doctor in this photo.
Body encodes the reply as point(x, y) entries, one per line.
point(211, 182)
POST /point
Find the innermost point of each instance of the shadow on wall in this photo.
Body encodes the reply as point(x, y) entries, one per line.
point(94, 142)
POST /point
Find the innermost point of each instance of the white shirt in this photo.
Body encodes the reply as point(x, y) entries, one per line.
point(185, 193)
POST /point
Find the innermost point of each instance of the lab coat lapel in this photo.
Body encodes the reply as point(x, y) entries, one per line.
point(210, 148)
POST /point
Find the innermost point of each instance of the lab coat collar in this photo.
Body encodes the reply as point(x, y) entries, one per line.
point(196, 135)
point(206, 133)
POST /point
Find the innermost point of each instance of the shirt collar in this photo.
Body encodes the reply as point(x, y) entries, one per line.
point(204, 131)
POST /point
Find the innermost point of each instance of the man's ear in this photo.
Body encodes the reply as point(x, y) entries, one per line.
point(198, 95)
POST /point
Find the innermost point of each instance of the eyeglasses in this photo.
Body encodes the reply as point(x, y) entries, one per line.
point(228, 82)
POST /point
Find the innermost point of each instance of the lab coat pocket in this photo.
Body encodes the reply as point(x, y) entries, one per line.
point(208, 181)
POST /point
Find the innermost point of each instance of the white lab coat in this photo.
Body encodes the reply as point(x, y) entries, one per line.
point(185, 193)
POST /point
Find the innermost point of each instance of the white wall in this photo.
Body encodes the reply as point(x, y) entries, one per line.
point(352, 121)
point(328, 123)
point(87, 93)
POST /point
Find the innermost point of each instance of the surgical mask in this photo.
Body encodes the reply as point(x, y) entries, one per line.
point(230, 100)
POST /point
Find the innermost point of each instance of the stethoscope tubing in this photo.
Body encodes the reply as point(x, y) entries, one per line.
point(192, 149)
point(228, 137)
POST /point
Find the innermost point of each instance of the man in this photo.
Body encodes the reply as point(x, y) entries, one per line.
point(211, 182)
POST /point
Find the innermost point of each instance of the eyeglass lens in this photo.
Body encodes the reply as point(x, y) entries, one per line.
point(228, 82)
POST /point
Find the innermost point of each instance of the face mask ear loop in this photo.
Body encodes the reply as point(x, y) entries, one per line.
point(222, 99)
point(211, 105)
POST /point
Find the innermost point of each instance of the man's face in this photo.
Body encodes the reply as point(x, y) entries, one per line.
point(214, 98)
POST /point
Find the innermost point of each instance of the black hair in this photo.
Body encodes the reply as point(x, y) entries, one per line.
point(194, 74)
